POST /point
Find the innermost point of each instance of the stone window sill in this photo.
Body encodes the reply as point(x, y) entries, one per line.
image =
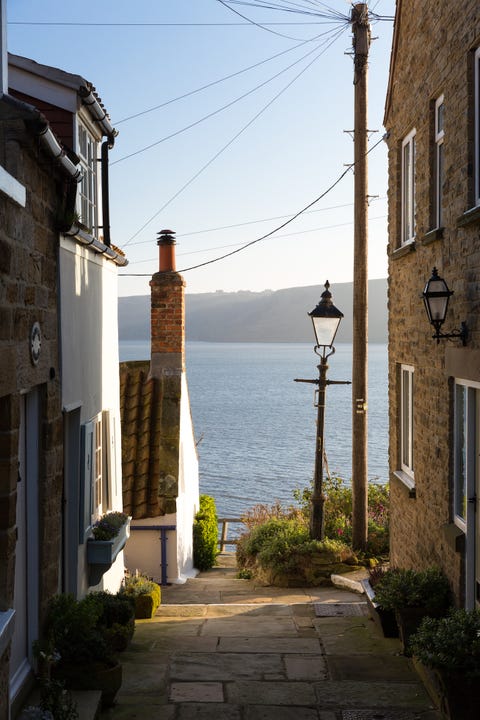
point(469, 217)
point(406, 480)
point(432, 235)
point(404, 250)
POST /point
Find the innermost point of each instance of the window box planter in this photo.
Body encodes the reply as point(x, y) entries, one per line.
point(384, 619)
point(101, 554)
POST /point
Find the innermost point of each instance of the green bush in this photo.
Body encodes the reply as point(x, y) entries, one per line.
point(399, 588)
point(145, 594)
point(282, 547)
point(450, 644)
point(205, 534)
point(338, 513)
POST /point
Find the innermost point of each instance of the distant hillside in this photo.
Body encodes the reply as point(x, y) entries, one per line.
point(269, 316)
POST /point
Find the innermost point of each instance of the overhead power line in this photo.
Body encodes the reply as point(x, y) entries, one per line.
point(231, 141)
point(271, 232)
point(216, 82)
point(214, 112)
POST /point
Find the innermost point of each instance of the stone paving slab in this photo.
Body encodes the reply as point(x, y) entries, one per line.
point(229, 666)
point(266, 712)
point(305, 667)
point(390, 715)
point(357, 695)
point(371, 667)
point(257, 627)
point(204, 692)
point(207, 711)
point(288, 694)
point(310, 646)
point(354, 635)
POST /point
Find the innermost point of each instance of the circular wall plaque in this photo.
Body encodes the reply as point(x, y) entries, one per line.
point(35, 343)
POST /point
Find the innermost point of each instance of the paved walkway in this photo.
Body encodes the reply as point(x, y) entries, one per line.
point(221, 648)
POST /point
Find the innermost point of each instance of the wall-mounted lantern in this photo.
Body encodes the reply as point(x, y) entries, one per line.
point(436, 296)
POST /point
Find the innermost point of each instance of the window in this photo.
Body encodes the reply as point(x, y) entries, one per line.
point(408, 188)
point(439, 162)
point(87, 152)
point(406, 419)
point(464, 461)
point(477, 126)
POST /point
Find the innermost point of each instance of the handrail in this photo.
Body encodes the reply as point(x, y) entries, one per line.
point(223, 522)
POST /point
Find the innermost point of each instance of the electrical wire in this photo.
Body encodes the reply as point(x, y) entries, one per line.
point(279, 237)
point(230, 142)
point(258, 25)
point(216, 82)
point(214, 112)
point(271, 232)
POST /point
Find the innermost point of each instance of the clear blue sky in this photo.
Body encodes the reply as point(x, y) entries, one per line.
point(286, 157)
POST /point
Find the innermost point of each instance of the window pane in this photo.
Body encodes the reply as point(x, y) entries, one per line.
point(460, 450)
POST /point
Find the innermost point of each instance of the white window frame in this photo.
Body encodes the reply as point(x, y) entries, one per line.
point(439, 159)
point(406, 419)
point(408, 188)
point(87, 204)
point(476, 76)
point(466, 426)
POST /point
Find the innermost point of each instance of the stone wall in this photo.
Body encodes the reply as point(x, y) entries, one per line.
point(28, 295)
point(433, 55)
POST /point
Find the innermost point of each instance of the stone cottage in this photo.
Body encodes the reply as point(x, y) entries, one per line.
point(59, 399)
point(432, 117)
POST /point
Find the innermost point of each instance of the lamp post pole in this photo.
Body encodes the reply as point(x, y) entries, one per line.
point(326, 319)
point(317, 519)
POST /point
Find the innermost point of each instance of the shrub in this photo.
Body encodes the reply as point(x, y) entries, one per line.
point(400, 588)
point(205, 534)
point(338, 512)
point(450, 644)
point(109, 525)
point(145, 593)
point(73, 631)
point(282, 547)
point(117, 618)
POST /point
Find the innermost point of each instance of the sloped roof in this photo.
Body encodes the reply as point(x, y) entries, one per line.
point(150, 417)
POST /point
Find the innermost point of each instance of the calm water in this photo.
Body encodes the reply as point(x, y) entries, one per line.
point(257, 427)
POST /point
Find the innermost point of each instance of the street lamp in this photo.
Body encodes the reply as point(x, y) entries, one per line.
point(436, 295)
point(326, 319)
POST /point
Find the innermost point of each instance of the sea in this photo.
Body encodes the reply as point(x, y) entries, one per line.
point(255, 427)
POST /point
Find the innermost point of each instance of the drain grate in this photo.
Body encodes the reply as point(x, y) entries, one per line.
point(341, 609)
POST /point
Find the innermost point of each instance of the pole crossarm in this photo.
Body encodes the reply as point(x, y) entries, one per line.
point(327, 382)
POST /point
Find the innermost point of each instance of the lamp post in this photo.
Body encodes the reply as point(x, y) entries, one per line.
point(326, 319)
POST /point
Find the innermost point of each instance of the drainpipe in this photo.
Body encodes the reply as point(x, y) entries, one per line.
point(105, 193)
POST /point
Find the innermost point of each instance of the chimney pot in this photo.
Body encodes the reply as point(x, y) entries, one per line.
point(166, 243)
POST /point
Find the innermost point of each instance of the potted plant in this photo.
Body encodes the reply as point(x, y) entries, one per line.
point(447, 655)
point(75, 636)
point(384, 619)
point(412, 595)
point(116, 619)
point(109, 535)
point(145, 594)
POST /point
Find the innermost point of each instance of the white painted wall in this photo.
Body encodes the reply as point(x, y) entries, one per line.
point(143, 549)
point(90, 362)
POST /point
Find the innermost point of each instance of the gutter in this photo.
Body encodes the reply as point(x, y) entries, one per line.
point(98, 113)
point(88, 240)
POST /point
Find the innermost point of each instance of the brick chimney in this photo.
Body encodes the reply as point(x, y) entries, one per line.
point(167, 311)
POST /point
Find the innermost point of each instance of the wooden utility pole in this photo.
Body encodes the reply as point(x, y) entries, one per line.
point(361, 44)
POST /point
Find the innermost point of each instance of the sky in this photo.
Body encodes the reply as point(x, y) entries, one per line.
point(222, 177)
